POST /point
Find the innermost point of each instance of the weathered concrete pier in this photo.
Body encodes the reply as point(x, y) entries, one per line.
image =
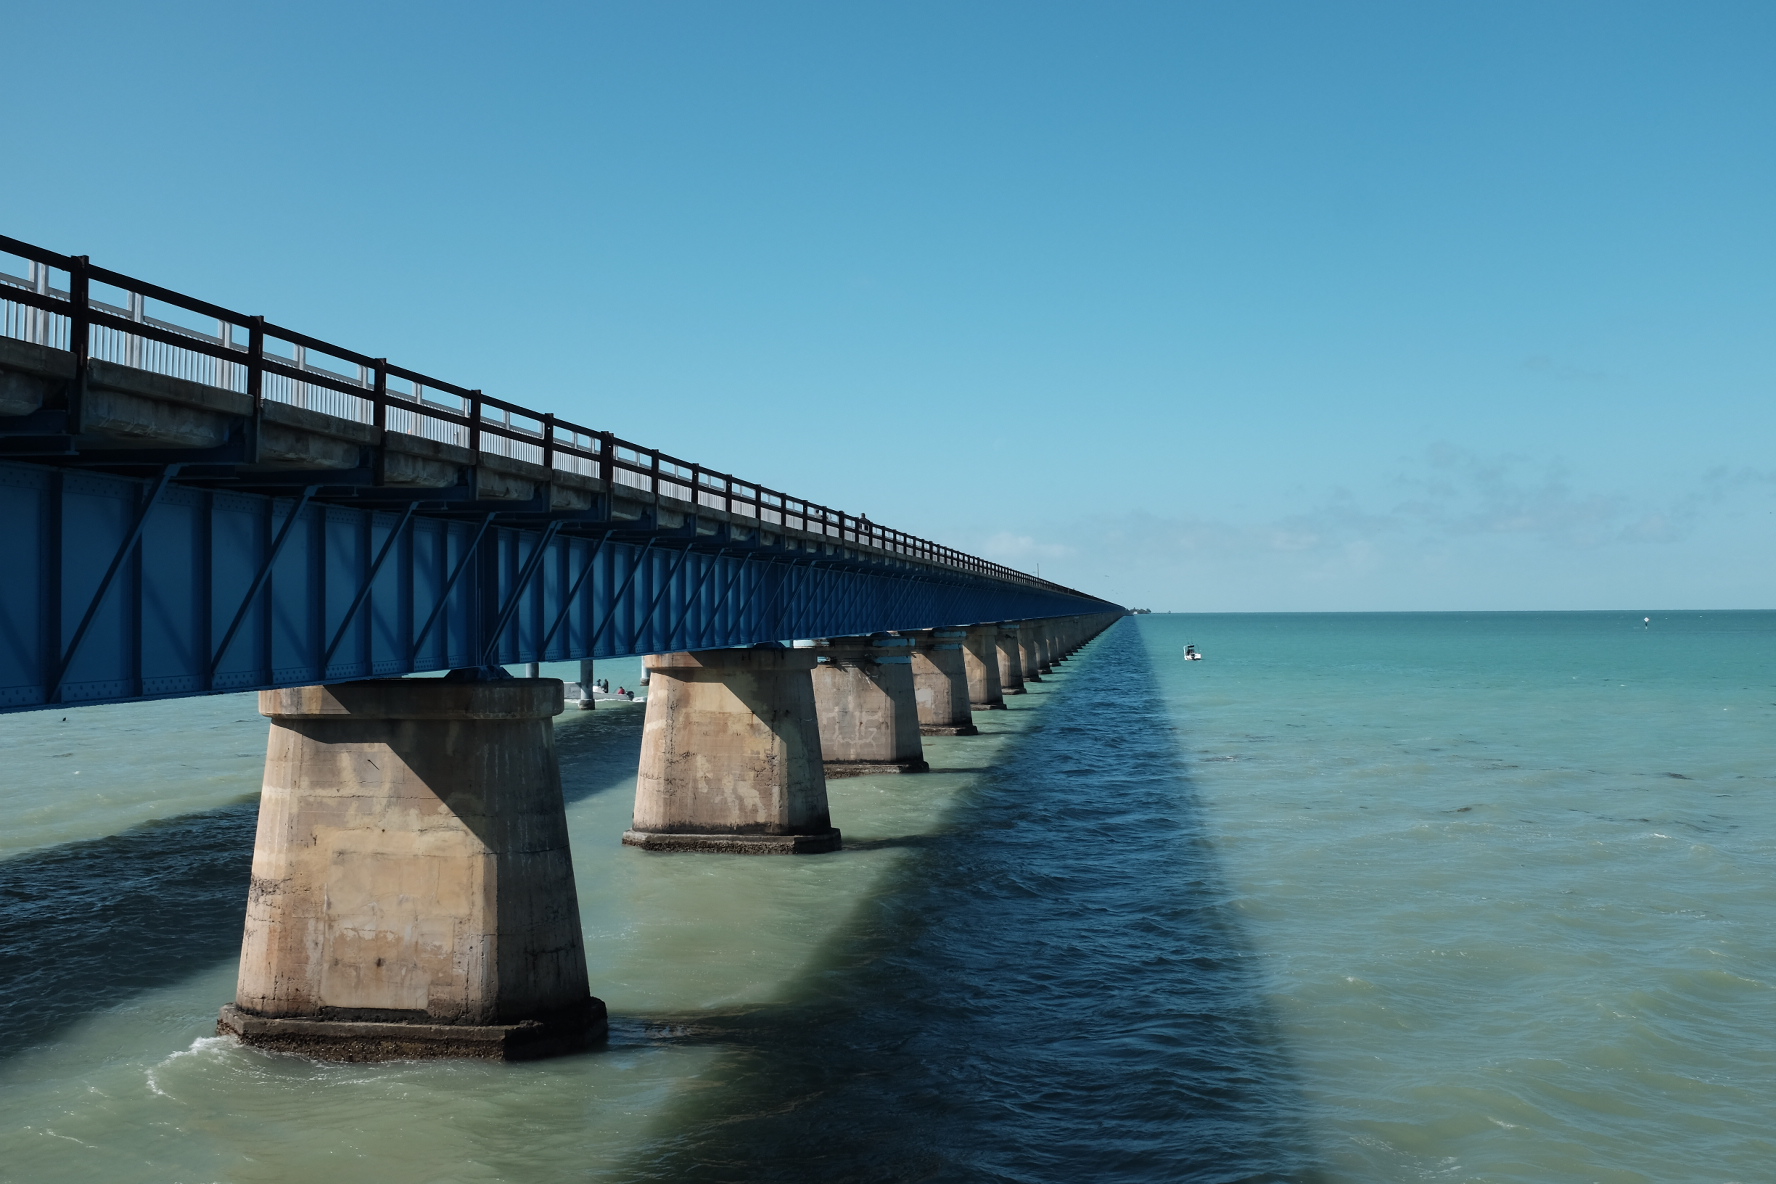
point(412, 891)
point(980, 656)
point(940, 683)
point(1030, 650)
point(1011, 670)
point(867, 705)
point(730, 755)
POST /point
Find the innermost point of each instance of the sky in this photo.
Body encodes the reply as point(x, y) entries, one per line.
point(1262, 306)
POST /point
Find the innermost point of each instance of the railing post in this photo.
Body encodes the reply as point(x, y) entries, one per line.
point(549, 442)
point(224, 367)
point(255, 380)
point(607, 457)
point(79, 339)
point(38, 318)
point(379, 394)
point(138, 312)
point(300, 391)
point(256, 352)
point(475, 423)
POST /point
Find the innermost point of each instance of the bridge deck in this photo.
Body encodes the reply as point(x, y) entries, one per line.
point(193, 500)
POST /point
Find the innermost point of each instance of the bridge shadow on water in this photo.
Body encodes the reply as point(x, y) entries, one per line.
point(86, 926)
point(1053, 989)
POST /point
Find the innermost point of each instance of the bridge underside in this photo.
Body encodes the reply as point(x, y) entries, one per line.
point(167, 538)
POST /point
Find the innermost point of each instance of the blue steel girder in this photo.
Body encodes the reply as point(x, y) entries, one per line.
point(119, 587)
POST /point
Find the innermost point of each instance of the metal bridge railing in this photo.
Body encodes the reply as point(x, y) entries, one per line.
point(64, 302)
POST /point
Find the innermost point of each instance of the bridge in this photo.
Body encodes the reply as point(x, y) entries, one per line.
point(194, 500)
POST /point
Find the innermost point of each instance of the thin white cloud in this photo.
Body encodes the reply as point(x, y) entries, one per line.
point(1449, 528)
point(1016, 549)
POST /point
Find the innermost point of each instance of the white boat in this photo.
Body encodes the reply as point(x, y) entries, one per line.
point(1190, 654)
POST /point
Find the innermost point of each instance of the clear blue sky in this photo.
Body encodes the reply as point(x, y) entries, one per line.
point(1310, 305)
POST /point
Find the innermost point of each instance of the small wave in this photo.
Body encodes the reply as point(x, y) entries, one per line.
point(201, 1044)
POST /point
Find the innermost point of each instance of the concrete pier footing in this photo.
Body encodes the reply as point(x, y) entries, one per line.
point(730, 755)
point(940, 683)
point(867, 704)
point(412, 892)
point(980, 658)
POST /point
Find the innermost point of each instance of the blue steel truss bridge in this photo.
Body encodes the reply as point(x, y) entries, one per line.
point(194, 500)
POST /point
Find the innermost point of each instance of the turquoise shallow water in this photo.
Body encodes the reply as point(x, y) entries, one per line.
point(1358, 898)
point(1512, 878)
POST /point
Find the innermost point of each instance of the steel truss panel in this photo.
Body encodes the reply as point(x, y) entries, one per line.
point(118, 588)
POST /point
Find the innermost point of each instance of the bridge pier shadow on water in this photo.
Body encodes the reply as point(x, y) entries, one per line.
point(86, 926)
point(1054, 989)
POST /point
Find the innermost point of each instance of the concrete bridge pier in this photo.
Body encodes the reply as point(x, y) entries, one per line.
point(868, 706)
point(1011, 670)
point(1058, 648)
point(588, 677)
point(940, 683)
point(980, 658)
point(1051, 643)
point(1029, 652)
point(730, 755)
point(412, 891)
point(1039, 647)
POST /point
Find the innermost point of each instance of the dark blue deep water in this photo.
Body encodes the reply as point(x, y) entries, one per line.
point(1054, 989)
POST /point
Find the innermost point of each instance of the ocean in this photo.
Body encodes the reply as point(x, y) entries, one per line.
point(1358, 898)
